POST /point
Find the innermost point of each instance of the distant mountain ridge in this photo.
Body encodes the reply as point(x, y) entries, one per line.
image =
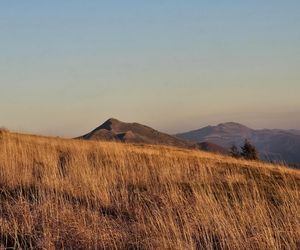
point(272, 144)
point(295, 131)
point(115, 130)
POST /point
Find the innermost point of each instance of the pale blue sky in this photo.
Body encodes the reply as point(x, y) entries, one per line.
point(66, 66)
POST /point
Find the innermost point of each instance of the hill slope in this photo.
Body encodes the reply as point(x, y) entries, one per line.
point(273, 144)
point(76, 194)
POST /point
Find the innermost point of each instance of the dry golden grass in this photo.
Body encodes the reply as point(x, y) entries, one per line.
point(58, 193)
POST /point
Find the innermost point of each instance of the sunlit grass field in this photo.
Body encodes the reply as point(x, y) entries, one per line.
point(71, 194)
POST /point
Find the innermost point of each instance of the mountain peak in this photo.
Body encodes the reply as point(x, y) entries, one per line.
point(112, 120)
point(110, 124)
point(231, 125)
point(116, 130)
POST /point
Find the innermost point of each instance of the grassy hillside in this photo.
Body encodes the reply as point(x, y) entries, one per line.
point(57, 193)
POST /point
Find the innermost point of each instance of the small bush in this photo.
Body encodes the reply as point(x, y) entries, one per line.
point(234, 152)
point(249, 151)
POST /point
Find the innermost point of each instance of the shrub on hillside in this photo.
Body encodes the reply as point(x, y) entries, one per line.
point(234, 152)
point(248, 151)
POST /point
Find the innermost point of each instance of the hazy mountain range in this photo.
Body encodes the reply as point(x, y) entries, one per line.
point(294, 131)
point(272, 144)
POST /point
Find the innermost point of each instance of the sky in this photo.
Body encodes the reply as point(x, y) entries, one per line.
point(67, 66)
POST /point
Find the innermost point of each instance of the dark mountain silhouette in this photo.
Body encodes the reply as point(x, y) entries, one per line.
point(115, 130)
point(272, 144)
